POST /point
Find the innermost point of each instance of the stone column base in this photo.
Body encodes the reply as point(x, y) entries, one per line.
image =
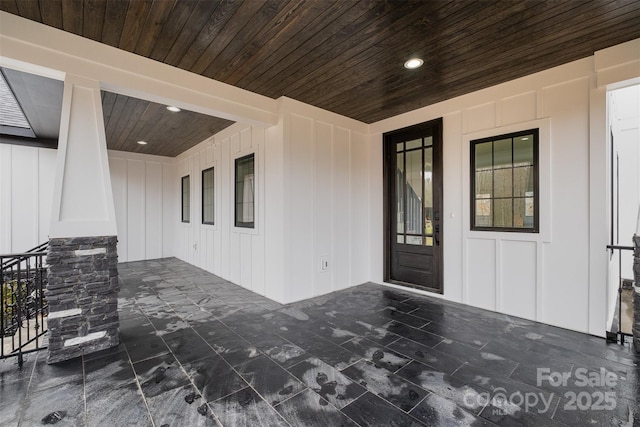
point(83, 296)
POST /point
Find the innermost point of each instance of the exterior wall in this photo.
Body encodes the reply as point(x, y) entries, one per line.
point(541, 276)
point(236, 254)
point(144, 194)
point(26, 190)
point(144, 191)
point(311, 205)
point(326, 200)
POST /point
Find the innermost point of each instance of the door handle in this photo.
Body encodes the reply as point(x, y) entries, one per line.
point(436, 235)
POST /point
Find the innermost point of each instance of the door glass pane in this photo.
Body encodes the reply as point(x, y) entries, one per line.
point(416, 143)
point(484, 184)
point(414, 240)
point(428, 141)
point(483, 156)
point(400, 238)
point(400, 185)
point(523, 150)
point(413, 193)
point(428, 195)
point(519, 218)
point(522, 181)
point(502, 213)
point(400, 146)
point(484, 218)
point(502, 153)
point(502, 182)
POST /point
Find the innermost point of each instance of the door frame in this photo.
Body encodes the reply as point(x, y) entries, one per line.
point(438, 199)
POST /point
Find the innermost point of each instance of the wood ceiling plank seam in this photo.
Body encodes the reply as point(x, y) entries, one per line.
point(124, 117)
point(51, 12)
point(114, 15)
point(136, 16)
point(390, 68)
point(469, 66)
point(486, 21)
point(180, 14)
point(379, 60)
point(158, 15)
point(329, 57)
point(108, 103)
point(464, 86)
point(289, 35)
point(148, 122)
point(537, 25)
point(549, 38)
point(331, 62)
point(209, 31)
point(93, 19)
point(116, 115)
point(229, 30)
point(123, 137)
point(235, 57)
point(276, 64)
point(72, 16)
point(30, 10)
point(186, 39)
point(108, 99)
point(327, 27)
point(10, 6)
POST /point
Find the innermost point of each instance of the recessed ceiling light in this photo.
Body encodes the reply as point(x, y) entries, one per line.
point(142, 142)
point(413, 63)
point(526, 138)
point(173, 109)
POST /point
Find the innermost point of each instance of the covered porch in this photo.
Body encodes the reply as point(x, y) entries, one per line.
point(196, 349)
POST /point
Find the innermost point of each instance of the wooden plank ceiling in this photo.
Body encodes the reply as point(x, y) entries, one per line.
point(346, 56)
point(128, 120)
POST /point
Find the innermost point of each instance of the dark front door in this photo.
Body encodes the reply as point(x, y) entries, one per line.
point(413, 206)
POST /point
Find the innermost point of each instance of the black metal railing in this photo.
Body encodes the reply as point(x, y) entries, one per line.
point(619, 334)
point(23, 307)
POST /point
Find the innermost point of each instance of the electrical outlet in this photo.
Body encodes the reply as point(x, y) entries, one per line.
point(324, 264)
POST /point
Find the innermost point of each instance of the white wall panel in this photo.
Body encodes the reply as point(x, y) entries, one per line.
point(136, 214)
point(518, 108)
point(118, 171)
point(24, 198)
point(341, 184)
point(323, 207)
point(359, 209)
point(246, 258)
point(301, 214)
point(452, 215)
point(170, 208)
point(480, 117)
point(481, 273)
point(518, 278)
point(5, 198)
point(566, 257)
point(46, 170)
point(153, 210)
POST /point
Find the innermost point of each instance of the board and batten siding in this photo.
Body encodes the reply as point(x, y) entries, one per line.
point(26, 191)
point(143, 190)
point(556, 276)
point(311, 205)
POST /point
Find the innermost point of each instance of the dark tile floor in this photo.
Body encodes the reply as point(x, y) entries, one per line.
point(197, 350)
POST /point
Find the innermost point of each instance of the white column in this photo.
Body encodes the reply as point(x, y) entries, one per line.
point(82, 196)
